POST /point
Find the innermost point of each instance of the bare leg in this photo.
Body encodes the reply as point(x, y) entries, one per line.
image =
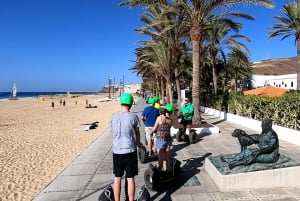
point(131, 188)
point(188, 127)
point(117, 188)
point(160, 159)
point(149, 145)
point(168, 159)
point(154, 145)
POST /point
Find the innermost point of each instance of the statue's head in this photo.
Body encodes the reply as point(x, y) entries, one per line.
point(237, 132)
point(266, 124)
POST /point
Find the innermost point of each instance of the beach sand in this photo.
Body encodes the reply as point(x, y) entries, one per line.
point(38, 141)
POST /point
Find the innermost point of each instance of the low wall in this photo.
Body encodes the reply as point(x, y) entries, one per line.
point(286, 134)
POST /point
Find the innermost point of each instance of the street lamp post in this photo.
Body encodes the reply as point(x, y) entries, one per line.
point(109, 84)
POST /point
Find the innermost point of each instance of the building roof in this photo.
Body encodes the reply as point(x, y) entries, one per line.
point(267, 91)
point(282, 66)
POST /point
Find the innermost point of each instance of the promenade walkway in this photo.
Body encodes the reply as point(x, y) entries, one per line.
point(85, 178)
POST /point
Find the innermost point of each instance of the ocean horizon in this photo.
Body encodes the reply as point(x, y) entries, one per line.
point(23, 95)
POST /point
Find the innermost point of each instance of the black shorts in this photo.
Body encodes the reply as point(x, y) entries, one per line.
point(125, 162)
point(187, 122)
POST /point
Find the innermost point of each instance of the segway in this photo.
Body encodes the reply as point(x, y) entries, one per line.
point(143, 156)
point(182, 136)
point(156, 180)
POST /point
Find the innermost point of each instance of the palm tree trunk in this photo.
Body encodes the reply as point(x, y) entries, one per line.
point(177, 83)
point(298, 64)
point(214, 73)
point(162, 90)
point(169, 90)
point(196, 80)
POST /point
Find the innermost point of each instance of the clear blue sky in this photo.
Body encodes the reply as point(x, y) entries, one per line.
point(67, 45)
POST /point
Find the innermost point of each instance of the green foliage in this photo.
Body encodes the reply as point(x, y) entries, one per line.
point(284, 111)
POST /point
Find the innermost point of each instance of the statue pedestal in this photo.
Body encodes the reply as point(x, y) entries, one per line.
point(271, 178)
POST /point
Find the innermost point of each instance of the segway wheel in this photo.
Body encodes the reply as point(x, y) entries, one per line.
point(193, 137)
point(151, 178)
point(107, 194)
point(179, 136)
point(142, 154)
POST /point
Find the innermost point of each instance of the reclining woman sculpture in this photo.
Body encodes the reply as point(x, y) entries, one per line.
point(267, 150)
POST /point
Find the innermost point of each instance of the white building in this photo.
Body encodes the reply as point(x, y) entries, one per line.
point(275, 72)
point(132, 88)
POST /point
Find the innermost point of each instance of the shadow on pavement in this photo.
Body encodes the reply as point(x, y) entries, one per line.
point(190, 168)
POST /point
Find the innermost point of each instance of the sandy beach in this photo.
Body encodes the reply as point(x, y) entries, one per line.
point(38, 141)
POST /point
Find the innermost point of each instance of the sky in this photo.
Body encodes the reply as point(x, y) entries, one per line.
point(77, 45)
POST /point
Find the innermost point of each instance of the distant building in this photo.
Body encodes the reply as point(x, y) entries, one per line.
point(132, 88)
point(116, 90)
point(275, 72)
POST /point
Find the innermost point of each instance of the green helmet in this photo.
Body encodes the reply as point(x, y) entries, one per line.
point(155, 98)
point(151, 101)
point(169, 108)
point(126, 99)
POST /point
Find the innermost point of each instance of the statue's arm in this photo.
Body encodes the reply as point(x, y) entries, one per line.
point(255, 137)
point(269, 145)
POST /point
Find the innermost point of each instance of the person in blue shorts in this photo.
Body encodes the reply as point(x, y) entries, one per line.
point(149, 115)
point(126, 137)
point(162, 128)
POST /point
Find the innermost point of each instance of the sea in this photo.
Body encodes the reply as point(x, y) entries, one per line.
point(24, 95)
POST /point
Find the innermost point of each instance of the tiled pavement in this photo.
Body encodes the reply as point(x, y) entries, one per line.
point(85, 177)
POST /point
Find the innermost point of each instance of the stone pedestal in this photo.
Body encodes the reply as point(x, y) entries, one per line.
point(272, 178)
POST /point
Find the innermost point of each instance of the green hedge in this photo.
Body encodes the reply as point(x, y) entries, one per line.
point(284, 111)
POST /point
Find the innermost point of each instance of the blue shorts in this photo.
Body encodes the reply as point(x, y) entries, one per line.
point(163, 144)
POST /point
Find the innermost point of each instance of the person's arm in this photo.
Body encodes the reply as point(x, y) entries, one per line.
point(143, 116)
point(155, 126)
point(271, 145)
point(191, 110)
point(138, 136)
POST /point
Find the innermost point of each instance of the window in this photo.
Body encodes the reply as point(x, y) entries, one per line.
point(292, 84)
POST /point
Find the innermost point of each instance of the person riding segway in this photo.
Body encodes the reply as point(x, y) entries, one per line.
point(154, 176)
point(149, 115)
point(186, 119)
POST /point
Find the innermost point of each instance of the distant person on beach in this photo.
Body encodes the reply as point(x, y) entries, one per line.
point(187, 114)
point(52, 104)
point(149, 115)
point(60, 101)
point(163, 137)
point(126, 137)
point(64, 103)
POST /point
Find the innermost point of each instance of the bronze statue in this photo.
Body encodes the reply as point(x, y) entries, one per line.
point(267, 150)
point(244, 139)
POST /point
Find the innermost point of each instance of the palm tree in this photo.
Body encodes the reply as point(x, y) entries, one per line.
point(289, 26)
point(196, 16)
point(219, 40)
point(238, 66)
